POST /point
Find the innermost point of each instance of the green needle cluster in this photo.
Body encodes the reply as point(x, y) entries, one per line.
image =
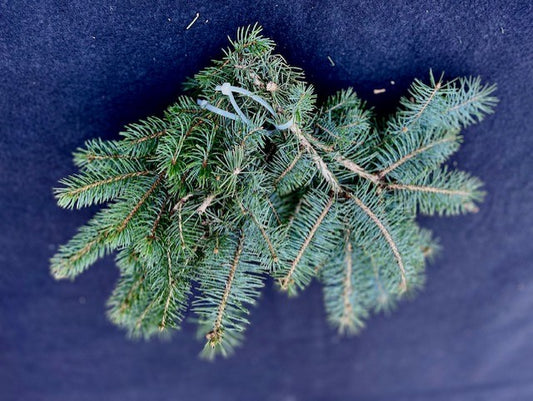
point(246, 178)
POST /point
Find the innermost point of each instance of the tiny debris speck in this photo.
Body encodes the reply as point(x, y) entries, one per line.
point(193, 21)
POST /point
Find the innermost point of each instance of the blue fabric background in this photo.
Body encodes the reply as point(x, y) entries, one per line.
point(74, 70)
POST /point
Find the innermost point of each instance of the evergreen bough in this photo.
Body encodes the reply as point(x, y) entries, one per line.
point(246, 177)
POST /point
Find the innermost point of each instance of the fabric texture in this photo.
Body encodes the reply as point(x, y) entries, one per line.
point(75, 70)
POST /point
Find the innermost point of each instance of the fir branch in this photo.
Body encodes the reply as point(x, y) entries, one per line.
point(330, 132)
point(286, 280)
point(169, 296)
point(158, 219)
point(414, 153)
point(128, 298)
point(214, 336)
point(85, 190)
point(148, 137)
point(98, 155)
point(470, 103)
point(264, 234)
point(383, 298)
point(425, 104)
point(140, 320)
point(289, 168)
point(296, 211)
point(422, 188)
point(64, 263)
point(347, 312)
point(386, 234)
point(129, 289)
point(274, 211)
point(140, 203)
point(443, 192)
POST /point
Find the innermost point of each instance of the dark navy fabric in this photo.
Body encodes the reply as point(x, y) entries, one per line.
point(74, 70)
